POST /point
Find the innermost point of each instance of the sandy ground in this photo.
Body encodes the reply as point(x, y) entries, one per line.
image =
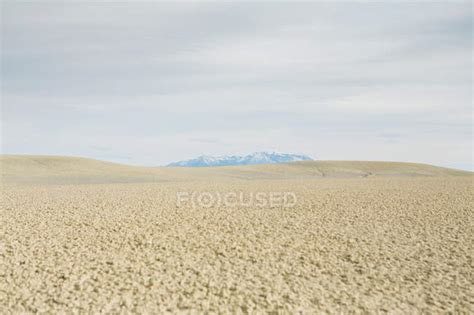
point(358, 245)
point(46, 170)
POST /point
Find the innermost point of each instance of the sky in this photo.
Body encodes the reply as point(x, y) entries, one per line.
point(146, 83)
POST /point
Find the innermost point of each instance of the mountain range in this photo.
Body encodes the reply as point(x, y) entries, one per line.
point(254, 158)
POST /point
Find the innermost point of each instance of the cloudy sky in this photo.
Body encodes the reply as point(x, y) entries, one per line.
point(148, 84)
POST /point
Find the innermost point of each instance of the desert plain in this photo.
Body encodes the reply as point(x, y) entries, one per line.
point(85, 236)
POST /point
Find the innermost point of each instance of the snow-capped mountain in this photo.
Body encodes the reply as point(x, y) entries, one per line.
point(254, 158)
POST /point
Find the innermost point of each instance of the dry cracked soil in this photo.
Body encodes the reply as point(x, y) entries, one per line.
point(394, 245)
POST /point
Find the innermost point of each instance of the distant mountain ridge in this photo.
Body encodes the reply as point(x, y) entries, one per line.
point(43, 169)
point(251, 159)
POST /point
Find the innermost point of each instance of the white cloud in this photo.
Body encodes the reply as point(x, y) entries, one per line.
point(144, 79)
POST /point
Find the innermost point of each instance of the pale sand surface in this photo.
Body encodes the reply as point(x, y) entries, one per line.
point(29, 169)
point(360, 244)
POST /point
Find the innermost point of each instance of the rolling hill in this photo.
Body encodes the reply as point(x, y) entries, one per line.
point(74, 170)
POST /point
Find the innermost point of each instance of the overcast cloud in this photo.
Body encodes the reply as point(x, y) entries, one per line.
point(149, 84)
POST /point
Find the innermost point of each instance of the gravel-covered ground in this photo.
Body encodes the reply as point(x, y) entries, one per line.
point(371, 245)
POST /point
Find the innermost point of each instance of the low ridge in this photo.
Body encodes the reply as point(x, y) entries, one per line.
point(73, 170)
